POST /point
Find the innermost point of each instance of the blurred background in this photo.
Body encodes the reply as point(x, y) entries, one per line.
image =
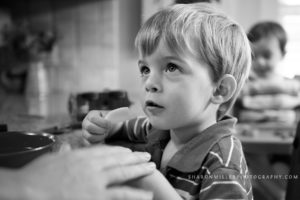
point(92, 40)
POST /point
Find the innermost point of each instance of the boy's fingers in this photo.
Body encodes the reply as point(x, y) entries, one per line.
point(122, 174)
point(96, 118)
point(128, 193)
point(94, 129)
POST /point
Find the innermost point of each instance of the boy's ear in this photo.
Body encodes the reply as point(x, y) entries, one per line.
point(224, 89)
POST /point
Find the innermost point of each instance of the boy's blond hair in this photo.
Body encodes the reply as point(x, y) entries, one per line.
point(205, 33)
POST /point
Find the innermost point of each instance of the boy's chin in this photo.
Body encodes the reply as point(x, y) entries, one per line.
point(159, 124)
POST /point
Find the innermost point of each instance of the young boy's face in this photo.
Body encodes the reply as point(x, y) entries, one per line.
point(177, 89)
point(267, 55)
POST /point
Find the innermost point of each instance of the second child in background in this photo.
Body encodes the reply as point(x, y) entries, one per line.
point(268, 96)
point(193, 61)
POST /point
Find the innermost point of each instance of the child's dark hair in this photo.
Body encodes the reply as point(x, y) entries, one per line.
point(267, 29)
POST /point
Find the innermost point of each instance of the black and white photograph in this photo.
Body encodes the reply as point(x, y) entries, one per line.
point(149, 99)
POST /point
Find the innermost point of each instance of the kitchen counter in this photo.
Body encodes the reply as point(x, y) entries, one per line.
point(49, 116)
point(33, 114)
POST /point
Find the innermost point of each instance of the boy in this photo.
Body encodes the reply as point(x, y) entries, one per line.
point(193, 62)
point(268, 40)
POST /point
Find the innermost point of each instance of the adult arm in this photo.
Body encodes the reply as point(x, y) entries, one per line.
point(159, 185)
point(90, 173)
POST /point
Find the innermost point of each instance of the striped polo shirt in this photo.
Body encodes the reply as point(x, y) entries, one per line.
point(210, 166)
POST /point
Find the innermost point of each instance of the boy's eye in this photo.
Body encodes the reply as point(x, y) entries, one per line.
point(144, 70)
point(171, 67)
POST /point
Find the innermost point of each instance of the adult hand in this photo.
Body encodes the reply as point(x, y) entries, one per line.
point(158, 184)
point(90, 173)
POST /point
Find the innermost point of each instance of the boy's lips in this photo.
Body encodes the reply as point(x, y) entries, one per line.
point(153, 107)
point(150, 103)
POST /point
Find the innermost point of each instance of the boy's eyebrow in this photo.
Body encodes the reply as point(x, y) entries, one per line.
point(176, 58)
point(169, 57)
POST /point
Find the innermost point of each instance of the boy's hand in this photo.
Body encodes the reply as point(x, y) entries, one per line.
point(96, 128)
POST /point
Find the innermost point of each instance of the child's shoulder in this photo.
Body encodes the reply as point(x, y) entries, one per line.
point(227, 153)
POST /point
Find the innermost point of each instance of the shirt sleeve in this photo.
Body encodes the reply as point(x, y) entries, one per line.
point(225, 183)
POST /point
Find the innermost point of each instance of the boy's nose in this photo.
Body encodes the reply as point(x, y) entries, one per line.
point(151, 89)
point(153, 84)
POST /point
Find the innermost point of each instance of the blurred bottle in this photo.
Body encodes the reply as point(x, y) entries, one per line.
point(37, 89)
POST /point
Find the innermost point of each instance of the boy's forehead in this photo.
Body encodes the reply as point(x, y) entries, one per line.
point(164, 52)
point(271, 42)
point(161, 49)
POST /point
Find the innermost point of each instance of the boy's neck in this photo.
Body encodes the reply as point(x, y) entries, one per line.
point(183, 135)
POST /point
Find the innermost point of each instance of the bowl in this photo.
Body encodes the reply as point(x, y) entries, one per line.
point(19, 148)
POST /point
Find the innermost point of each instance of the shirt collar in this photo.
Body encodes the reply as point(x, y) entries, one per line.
point(191, 156)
